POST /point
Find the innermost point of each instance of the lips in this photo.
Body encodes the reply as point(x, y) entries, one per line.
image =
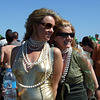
point(48, 34)
point(67, 42)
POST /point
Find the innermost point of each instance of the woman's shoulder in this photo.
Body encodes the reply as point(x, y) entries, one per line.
point(81, 55)
point(56, 52)
point(78, 53)
point(76, 49)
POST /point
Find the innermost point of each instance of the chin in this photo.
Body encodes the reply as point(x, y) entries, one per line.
point(48, 38)
point(68, 46)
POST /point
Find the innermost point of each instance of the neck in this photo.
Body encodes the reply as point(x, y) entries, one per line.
point(35, 41)
point(14, 39)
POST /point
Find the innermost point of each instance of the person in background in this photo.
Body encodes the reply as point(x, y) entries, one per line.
point(88, 45)
point(38, 67)
point(2, 41)
point(7, 49)
point(9, 36)
point(96, 60)
point(77, 82)
point(5, 56)
point(97, 38)
point(15, 38)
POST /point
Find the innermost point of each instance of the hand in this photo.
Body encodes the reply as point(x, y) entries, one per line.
point(21, 92)
point(89, 93)
point(3, 91)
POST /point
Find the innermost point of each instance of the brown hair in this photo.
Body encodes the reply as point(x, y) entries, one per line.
point(62, 23)
point(36, 17)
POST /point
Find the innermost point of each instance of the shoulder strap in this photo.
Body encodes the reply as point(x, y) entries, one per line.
point(51, 54)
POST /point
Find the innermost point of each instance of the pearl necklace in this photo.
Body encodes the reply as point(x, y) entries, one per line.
point(67, 65)
point(66, 50)
point(38, 84)
point(35, 48)
point(27, 61)
point(36, 43)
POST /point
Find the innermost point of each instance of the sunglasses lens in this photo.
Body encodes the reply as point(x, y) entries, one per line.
point(65, 35)
point(48, 25)
point(72, 34)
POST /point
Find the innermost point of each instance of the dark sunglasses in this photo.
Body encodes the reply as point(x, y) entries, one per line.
point(65, 35)
point(47, 25)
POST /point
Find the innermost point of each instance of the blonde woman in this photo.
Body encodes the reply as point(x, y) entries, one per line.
point(38, 67)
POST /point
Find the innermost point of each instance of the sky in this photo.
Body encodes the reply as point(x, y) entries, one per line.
point(84, 15)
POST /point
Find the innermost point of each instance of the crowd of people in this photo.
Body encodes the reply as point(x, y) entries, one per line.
point(49, 63)
point(6, 46)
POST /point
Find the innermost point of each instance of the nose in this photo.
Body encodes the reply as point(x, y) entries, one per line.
point(69, 37)
point(51, 29)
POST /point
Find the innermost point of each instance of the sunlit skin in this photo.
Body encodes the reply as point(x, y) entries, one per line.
point(42, 33)
point(64, 43)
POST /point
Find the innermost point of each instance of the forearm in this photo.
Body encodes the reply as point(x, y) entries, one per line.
point(54, 92)
point(94, 78)
point(89, 93)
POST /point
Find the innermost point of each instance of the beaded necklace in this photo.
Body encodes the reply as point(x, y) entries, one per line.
point(30, 64)
point(66, 50)
point(69, 51)
point(46, 77)
point(30, 46)
point(36, 43)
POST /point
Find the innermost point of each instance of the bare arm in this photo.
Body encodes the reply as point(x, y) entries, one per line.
point(2, 55)
point(3, 58)
point(94, 77)
point(58, 66)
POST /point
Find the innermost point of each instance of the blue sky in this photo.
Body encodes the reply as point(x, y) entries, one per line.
point(83, 14)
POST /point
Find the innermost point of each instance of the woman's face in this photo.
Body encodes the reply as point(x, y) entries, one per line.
point(64, 38)
point(44, 29)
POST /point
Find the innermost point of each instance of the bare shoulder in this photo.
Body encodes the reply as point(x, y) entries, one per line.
point(8, 47)
point(57, 52)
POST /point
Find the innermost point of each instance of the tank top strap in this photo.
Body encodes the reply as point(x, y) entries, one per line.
point(51, 53)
